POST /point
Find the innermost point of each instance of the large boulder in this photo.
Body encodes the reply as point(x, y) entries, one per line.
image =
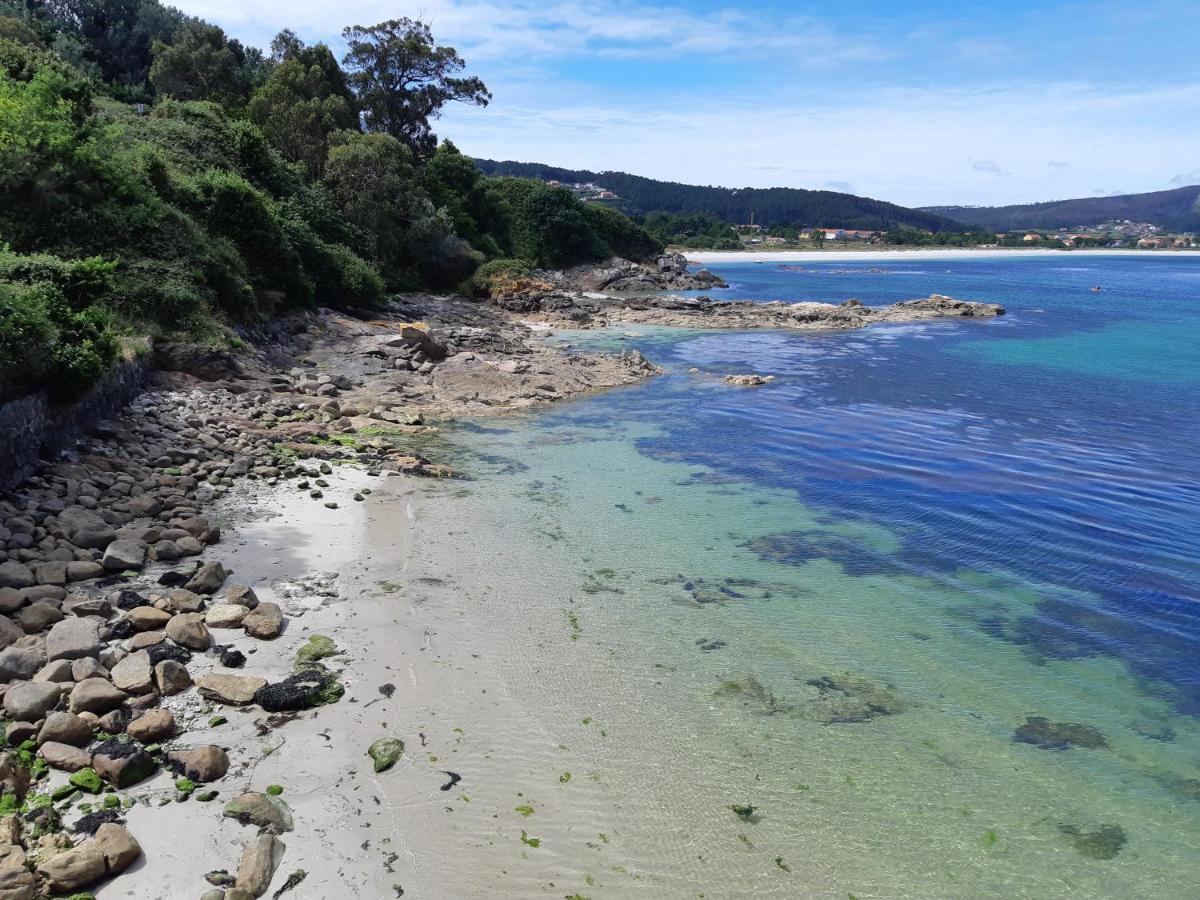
point(236, 690)
point(74, 638)
point(29, 701)
point(203, 764)
point(264, 621)
point(208, 578)
point(124, 554)
point(188, 630)
point(18, 884)
point(96, 695)
point(153, 726)
point(74, 869)
point(65, 728)
point(259, 861)
point(134, 674)
point(16, 575)
point(64, 757)
point(206, 363)
point(119, 848)
point(122, 764)
point(20, 663)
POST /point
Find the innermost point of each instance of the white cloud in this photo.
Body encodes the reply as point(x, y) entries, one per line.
point(1185, 179)
point(988, 165)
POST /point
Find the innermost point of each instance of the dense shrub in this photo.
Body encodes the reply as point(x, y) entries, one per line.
point(491, 275)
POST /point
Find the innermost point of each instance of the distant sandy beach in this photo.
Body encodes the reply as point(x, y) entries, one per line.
point(709, 257)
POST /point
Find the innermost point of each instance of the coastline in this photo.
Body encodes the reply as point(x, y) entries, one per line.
point(708, 257)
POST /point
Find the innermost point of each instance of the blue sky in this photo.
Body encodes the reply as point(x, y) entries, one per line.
point(917, 103)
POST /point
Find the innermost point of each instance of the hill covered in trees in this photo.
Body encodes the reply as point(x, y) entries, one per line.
point(793, 207)
point(1175, 210)
point(158, 177)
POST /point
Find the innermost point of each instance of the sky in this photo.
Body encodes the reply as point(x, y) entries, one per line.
point(918, 103)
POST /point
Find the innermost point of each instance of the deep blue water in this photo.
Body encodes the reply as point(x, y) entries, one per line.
point(1058, 446)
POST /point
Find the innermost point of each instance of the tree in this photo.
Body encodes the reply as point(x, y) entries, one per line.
point(456, 185)
point(200, 64)
point(403, 80)
point(303, 101)
point(377, 187)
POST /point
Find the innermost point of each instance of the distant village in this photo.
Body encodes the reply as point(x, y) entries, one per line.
point(586, 190)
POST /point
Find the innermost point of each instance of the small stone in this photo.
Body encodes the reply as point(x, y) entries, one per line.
point(65, 728)
point(264, 622)
point(236, 690)
point(55, 672)
point(38, 616)
point(259, 861)
point(134, 674)
point(208, 578)
point(96, 695)
point(204, 764)
point(73, 869)
point(385, 752)
point(83, 605)
point(171, 677)
point(261, 810)
point(121, 555)
point(29, 701)
point(118, 846)
point(17, 733)
point(188, 630)
point(144, 639)
point(152, 726)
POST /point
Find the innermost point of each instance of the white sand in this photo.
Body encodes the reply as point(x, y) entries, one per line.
point(711, 257)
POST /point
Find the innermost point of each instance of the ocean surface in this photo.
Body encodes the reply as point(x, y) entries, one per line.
point(920, 618)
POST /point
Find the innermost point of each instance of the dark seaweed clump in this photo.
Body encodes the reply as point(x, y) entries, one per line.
point(1041, 732)
point(795, 548)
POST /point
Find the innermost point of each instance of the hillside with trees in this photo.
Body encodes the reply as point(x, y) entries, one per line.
point(1173, 210)
point(160, 178)
point(792, 207)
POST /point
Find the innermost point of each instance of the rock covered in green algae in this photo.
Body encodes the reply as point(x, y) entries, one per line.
point(1103, 843)
point(262, 810)
point(87, 780)
point(316, 649)
point(384, 753)
point(1041, 732)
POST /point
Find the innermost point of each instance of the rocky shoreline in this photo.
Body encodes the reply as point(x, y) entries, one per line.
point(121, 630)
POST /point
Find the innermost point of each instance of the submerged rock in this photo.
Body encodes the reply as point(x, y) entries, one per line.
point(847, 698)
point(1103, 843)
point(1041, 732)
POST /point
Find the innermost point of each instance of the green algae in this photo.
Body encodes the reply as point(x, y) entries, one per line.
point(87, 780)
point(530, 841)
point(274, 790)
point(525, 809)
point(744, 812)
point(564, 777)
point(319, 647)
point(385, 752)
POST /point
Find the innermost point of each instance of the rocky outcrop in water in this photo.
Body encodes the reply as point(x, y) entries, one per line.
point(667, 273)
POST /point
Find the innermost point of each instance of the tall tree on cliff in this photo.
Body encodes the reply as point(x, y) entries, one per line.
point(403, 79)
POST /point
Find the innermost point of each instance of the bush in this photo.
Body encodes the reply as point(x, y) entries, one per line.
point(623, 236)
point(493, 274)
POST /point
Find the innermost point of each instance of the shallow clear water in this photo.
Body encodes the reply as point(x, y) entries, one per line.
point(839, 597)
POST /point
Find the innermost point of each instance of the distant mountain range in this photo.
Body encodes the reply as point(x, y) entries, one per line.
point(1175, 210)
point(767, 206)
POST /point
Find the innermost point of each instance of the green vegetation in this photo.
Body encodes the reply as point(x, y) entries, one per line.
point(768, 206)
point(693, 232)
point(159, 178)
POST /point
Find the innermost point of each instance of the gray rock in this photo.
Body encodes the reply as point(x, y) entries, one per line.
point(83, 605)
point(118, 846)
point(18, 884)
point(134, 674)
point(265, 621)
point(171, 677)
point(208, 578)
point(96, 695)
point(74, 638)
point(189, 630)
point(241, 594)
point(11, 599)
point(65, 728)
point(20, 664)
point(64, 757)
point(9, 631)
point(29, 701)
point(259, 861)
point(183, 600)
point(147, 618)
point(16, 575)
point(74, 869)
point(236, 690)
point(54, 572)
point(262, 810)
point(58, 672)
point(87, 668)
point(37, 616)
point(121, 555)
point(82, 570)
point(226, 615)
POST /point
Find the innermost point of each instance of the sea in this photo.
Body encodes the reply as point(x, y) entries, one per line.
point(919, 618)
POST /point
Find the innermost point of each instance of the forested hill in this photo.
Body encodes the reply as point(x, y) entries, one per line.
point(769, 206)
point(1177, 210)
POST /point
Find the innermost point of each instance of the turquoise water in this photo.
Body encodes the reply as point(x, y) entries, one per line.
point(930, 600)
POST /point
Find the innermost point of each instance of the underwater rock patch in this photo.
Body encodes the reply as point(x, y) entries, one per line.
point(1103, 843)
point(845, 698)
point(1041, 732)
point(749, 690)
